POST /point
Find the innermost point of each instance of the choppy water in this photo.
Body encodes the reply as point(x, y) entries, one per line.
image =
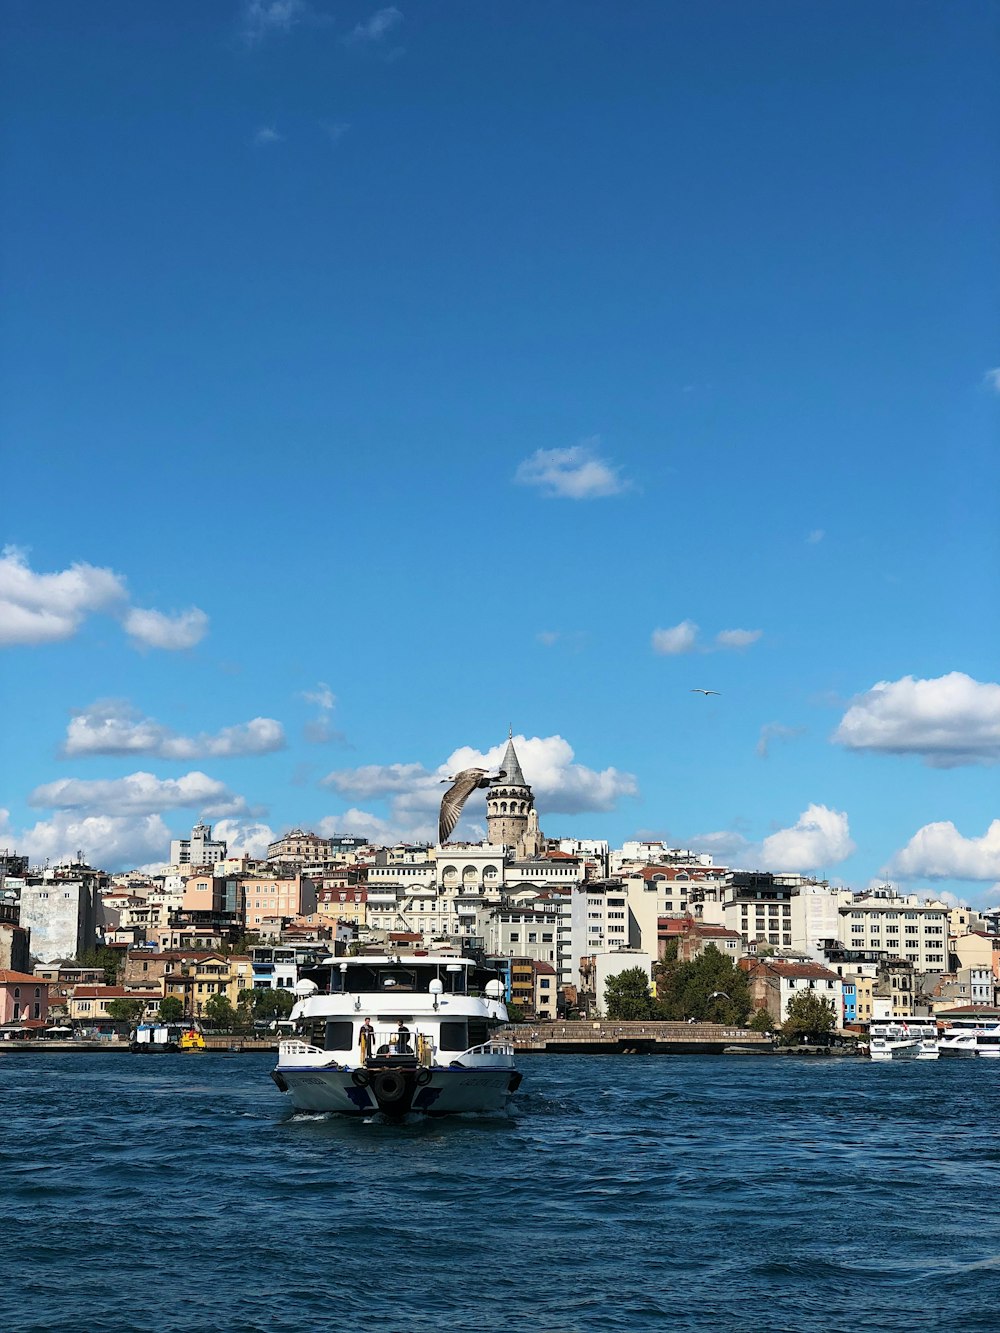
point(181, 1193)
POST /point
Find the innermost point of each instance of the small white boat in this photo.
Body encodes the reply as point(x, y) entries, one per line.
point(904, 1039)
point(397, 1034)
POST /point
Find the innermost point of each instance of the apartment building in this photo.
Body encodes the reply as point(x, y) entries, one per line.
point(897, 927)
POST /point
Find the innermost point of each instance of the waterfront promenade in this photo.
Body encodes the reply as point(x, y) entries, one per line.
point(605, 1036)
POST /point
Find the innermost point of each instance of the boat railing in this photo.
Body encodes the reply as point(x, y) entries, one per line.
point(492, 1047)
point(295, 1046)
point(386, 1043)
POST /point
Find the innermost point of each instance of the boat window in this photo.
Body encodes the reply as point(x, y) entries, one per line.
point(339, 1035)
point(396, 978)
point(454, 1036)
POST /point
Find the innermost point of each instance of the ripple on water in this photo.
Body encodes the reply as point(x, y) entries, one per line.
point(718, 1195)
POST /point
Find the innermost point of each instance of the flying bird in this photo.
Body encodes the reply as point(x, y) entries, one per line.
point(465, 783)
point(697, 691)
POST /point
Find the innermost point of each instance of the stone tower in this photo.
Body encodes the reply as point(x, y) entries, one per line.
point(509, 803)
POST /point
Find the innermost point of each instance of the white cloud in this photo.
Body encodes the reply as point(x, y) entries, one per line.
point(577, 473)
point(820, 837)
point(560, 786)
point(113, 726)
point(381, 22)
point(948, 721)
point(140, 794)
point(737, 638)
point(318, 729)
point(263, 17)
point(682, 638)
point(267, 134)
point(336, 130)
point(244, 837)
point(775, 731)
point(992, 379)
point(43, 608)
point(726, 846)
point(109, 842)
point(363, 824)
point(573, 640)
point(816, 536)
point(322, 696)
point(938, 851)
point(375, 780)
point(154, 629)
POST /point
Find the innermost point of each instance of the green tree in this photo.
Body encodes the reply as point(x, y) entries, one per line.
point(810, 1016)
point(171, 1009)
point(218, 1010)
point(711, 989)
point(262, 1002)
point(761, 1022)
point(627, 997)
point(128, 1010)
point(241, 945)
point(112, 960)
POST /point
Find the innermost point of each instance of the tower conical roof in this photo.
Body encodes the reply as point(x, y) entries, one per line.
point(511, 767)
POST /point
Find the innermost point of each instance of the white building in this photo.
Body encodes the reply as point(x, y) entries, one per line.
point(62, 915)
point(608, 965)
point(815, 917)
point(198, 850)
point(524, 932)
point(899, 927)
point(611, 914)
point(774, 983)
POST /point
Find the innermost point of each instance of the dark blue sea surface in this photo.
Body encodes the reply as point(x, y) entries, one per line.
point(181, 1192)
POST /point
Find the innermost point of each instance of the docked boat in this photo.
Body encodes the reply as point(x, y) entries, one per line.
point(971, 1038)
point(396, 1035)
point(152, 1038)
point(904, 1039)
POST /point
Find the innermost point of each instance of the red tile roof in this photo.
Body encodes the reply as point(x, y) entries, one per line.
point(8, 978)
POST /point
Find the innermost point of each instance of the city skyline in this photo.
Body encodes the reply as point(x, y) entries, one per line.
point(378, 380)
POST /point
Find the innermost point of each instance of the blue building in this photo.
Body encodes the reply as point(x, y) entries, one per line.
point(850, 1003)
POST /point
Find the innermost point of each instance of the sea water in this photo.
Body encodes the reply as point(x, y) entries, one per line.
point(182, 1192)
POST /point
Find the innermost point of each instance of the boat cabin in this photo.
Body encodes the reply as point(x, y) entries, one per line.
point(390, 975)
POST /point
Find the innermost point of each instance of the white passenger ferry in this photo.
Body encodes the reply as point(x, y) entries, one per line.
point(971, 1037)
point(397, 1034)
point(904, 1039)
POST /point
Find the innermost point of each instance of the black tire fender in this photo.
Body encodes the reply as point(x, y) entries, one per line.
point(389, 1086)
point(360, 1078)
point(423, 1077)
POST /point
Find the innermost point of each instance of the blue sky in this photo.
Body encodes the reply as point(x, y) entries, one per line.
point(375, 379)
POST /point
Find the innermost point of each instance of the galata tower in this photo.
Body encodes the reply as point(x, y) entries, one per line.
point(510, 804)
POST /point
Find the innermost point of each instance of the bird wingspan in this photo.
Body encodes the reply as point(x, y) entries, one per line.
point(455, 797)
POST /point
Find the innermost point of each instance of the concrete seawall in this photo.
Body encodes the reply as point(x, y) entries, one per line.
point(228, 1045)
point(592, 1037)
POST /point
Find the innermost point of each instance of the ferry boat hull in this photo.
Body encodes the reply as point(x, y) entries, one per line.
point(900, 1050)
point(398, 1092)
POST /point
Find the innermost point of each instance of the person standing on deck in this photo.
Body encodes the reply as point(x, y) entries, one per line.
point(367, 1039)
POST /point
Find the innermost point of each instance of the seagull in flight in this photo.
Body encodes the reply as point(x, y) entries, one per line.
point(464, 784)
point(697, 691)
